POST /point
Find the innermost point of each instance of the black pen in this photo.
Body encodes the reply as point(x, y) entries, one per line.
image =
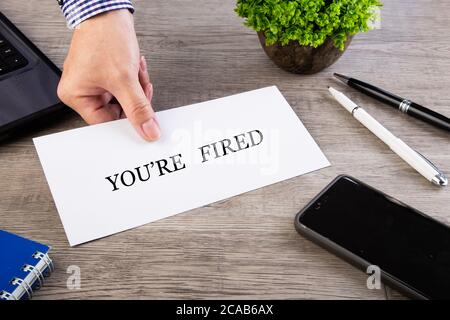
point(404, 105)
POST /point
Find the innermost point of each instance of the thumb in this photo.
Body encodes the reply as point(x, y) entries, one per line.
point(136, 105)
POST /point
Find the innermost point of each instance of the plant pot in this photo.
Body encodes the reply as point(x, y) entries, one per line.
point(296, 58)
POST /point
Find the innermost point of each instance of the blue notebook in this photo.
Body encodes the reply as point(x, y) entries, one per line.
point(23, 266)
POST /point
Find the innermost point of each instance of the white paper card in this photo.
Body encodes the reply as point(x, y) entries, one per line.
point(106, 179)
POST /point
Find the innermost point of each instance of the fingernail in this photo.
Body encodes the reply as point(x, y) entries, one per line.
point(149, 92)
point(151, 129)
point(141, 64)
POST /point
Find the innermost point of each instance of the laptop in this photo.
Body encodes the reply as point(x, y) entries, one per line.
point(28, 82)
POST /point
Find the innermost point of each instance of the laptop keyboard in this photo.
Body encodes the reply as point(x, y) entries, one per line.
point(10, 58)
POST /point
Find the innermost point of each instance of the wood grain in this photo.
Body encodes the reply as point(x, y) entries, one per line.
point(246, 246)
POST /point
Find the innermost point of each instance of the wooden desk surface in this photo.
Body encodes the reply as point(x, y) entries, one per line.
point(246, 246)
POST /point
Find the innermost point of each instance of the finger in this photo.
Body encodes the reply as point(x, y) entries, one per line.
point(94, 114)
point(144, 77)
point(106, 98)
point(115, 109)
point(149, 92)
point(137, 108)
point(122, 114)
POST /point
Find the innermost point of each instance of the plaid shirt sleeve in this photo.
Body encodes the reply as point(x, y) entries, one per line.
point(76, 11)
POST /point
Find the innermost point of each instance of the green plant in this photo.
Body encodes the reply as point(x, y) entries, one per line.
point(310, 22)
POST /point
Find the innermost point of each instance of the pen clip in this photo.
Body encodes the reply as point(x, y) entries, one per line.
point(441, 178)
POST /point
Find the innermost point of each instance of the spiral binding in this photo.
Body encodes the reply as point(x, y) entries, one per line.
point(39, 274)
point(7, 296)
point(24, 285)
point(48, 262)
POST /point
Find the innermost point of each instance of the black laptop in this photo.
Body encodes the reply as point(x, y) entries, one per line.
point(28, 82)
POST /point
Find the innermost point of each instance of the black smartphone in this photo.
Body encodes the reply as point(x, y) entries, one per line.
point(366, 228)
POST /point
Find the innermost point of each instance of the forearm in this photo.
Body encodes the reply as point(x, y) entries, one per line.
point(76, 11)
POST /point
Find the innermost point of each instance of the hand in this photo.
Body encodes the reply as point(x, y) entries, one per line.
point(104, 76)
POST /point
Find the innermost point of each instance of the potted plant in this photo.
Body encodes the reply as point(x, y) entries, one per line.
point(306, 36)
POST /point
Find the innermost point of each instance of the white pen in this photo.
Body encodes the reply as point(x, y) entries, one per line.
point(410, 156)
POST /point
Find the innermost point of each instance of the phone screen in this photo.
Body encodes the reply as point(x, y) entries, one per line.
point(401, 241)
